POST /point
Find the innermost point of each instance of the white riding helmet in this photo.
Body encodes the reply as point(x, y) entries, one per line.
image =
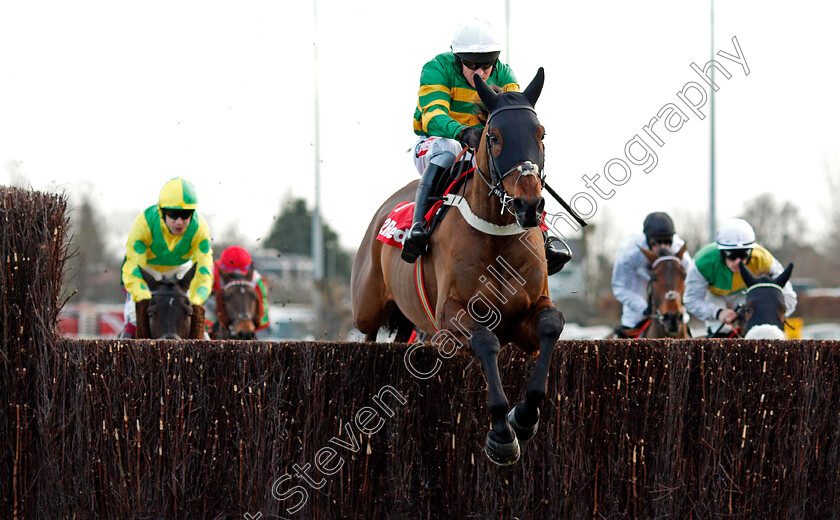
point(476, 37)
point(735, 233)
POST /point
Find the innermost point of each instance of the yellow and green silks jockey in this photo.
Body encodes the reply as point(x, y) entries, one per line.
point(152, 245)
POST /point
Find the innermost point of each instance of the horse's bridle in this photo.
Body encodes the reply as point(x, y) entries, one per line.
point(660, 318)
point(525, 168)
point(238, 283)
point(174, 294)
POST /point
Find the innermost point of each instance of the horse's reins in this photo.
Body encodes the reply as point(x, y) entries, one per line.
point(739, 310)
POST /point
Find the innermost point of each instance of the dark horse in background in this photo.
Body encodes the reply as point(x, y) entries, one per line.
point(485, 280)
point(170, 314)
point(764, 310)
point(665, 294)
point(237, 305)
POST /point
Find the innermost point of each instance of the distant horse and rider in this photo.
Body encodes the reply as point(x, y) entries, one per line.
point(668, 319)
point(491, 246)
point(762, 315)
point(238, 307)
point(240, 301)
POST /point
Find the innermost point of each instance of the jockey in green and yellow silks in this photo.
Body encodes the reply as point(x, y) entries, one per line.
point(168, 238)
point(446, 120)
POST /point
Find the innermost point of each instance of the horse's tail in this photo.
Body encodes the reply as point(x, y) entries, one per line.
point(398, 324)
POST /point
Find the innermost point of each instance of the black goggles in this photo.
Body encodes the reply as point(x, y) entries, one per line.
point(737, 254)
point(475, 66)
point(176, 214)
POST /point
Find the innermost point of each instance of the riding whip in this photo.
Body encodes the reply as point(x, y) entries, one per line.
point(563, 203)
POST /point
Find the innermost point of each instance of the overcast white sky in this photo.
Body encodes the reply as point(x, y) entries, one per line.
point(117, 97)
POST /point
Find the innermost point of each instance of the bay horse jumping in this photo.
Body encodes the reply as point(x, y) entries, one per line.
point(484, 279)
point(665, 294)
point(170, 314)
point(764, 309)
point(237, 305)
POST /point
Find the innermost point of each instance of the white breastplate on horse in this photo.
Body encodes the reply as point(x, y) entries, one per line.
point(478, 223)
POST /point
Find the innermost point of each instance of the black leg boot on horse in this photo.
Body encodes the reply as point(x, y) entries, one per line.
point(417, 240)
point(557, 255)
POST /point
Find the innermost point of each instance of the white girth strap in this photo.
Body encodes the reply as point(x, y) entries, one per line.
point(477, 223)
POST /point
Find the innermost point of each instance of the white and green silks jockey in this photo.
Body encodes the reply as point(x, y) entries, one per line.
point(714, 286)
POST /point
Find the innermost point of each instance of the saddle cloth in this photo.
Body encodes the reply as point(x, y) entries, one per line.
point(396, 226)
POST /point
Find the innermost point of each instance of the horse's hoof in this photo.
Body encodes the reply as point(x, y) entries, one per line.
point(502, 454)
point(523, 433)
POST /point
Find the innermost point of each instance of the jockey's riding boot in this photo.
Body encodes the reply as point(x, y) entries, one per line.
point(417, 240)
point(557, 254)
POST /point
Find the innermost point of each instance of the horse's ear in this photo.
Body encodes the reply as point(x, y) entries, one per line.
point(149, 278)
point(681, 252)
point(224, 275)
point(488, 97)
point(650, 255)
point(748, 277)
point(184, 281)
point(532, 92)
point(783, 278)
point(250, 274)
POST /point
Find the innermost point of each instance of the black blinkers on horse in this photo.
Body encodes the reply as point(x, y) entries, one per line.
point(517, 122)
point(765, 303)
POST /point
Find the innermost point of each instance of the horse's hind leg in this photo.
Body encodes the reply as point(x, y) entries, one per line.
point(525, 417)
point(501, 447)
point(370, 309)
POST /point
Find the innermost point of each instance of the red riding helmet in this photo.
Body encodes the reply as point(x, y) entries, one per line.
point(235, 259)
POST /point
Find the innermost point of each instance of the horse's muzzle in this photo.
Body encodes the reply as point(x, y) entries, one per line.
point(528, 211)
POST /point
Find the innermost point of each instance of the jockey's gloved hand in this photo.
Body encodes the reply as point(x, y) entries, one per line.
point(471, 137)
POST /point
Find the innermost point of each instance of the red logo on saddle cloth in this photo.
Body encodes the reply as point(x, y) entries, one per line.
point(396, 226)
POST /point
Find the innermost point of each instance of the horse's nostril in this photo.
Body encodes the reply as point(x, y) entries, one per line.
point(519, 205)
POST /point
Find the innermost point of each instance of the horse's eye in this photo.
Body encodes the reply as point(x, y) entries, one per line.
point(653, 278)
point(493, 138)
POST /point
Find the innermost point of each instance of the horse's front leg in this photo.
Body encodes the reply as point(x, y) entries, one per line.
point(525, 417)
point(501, 447)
